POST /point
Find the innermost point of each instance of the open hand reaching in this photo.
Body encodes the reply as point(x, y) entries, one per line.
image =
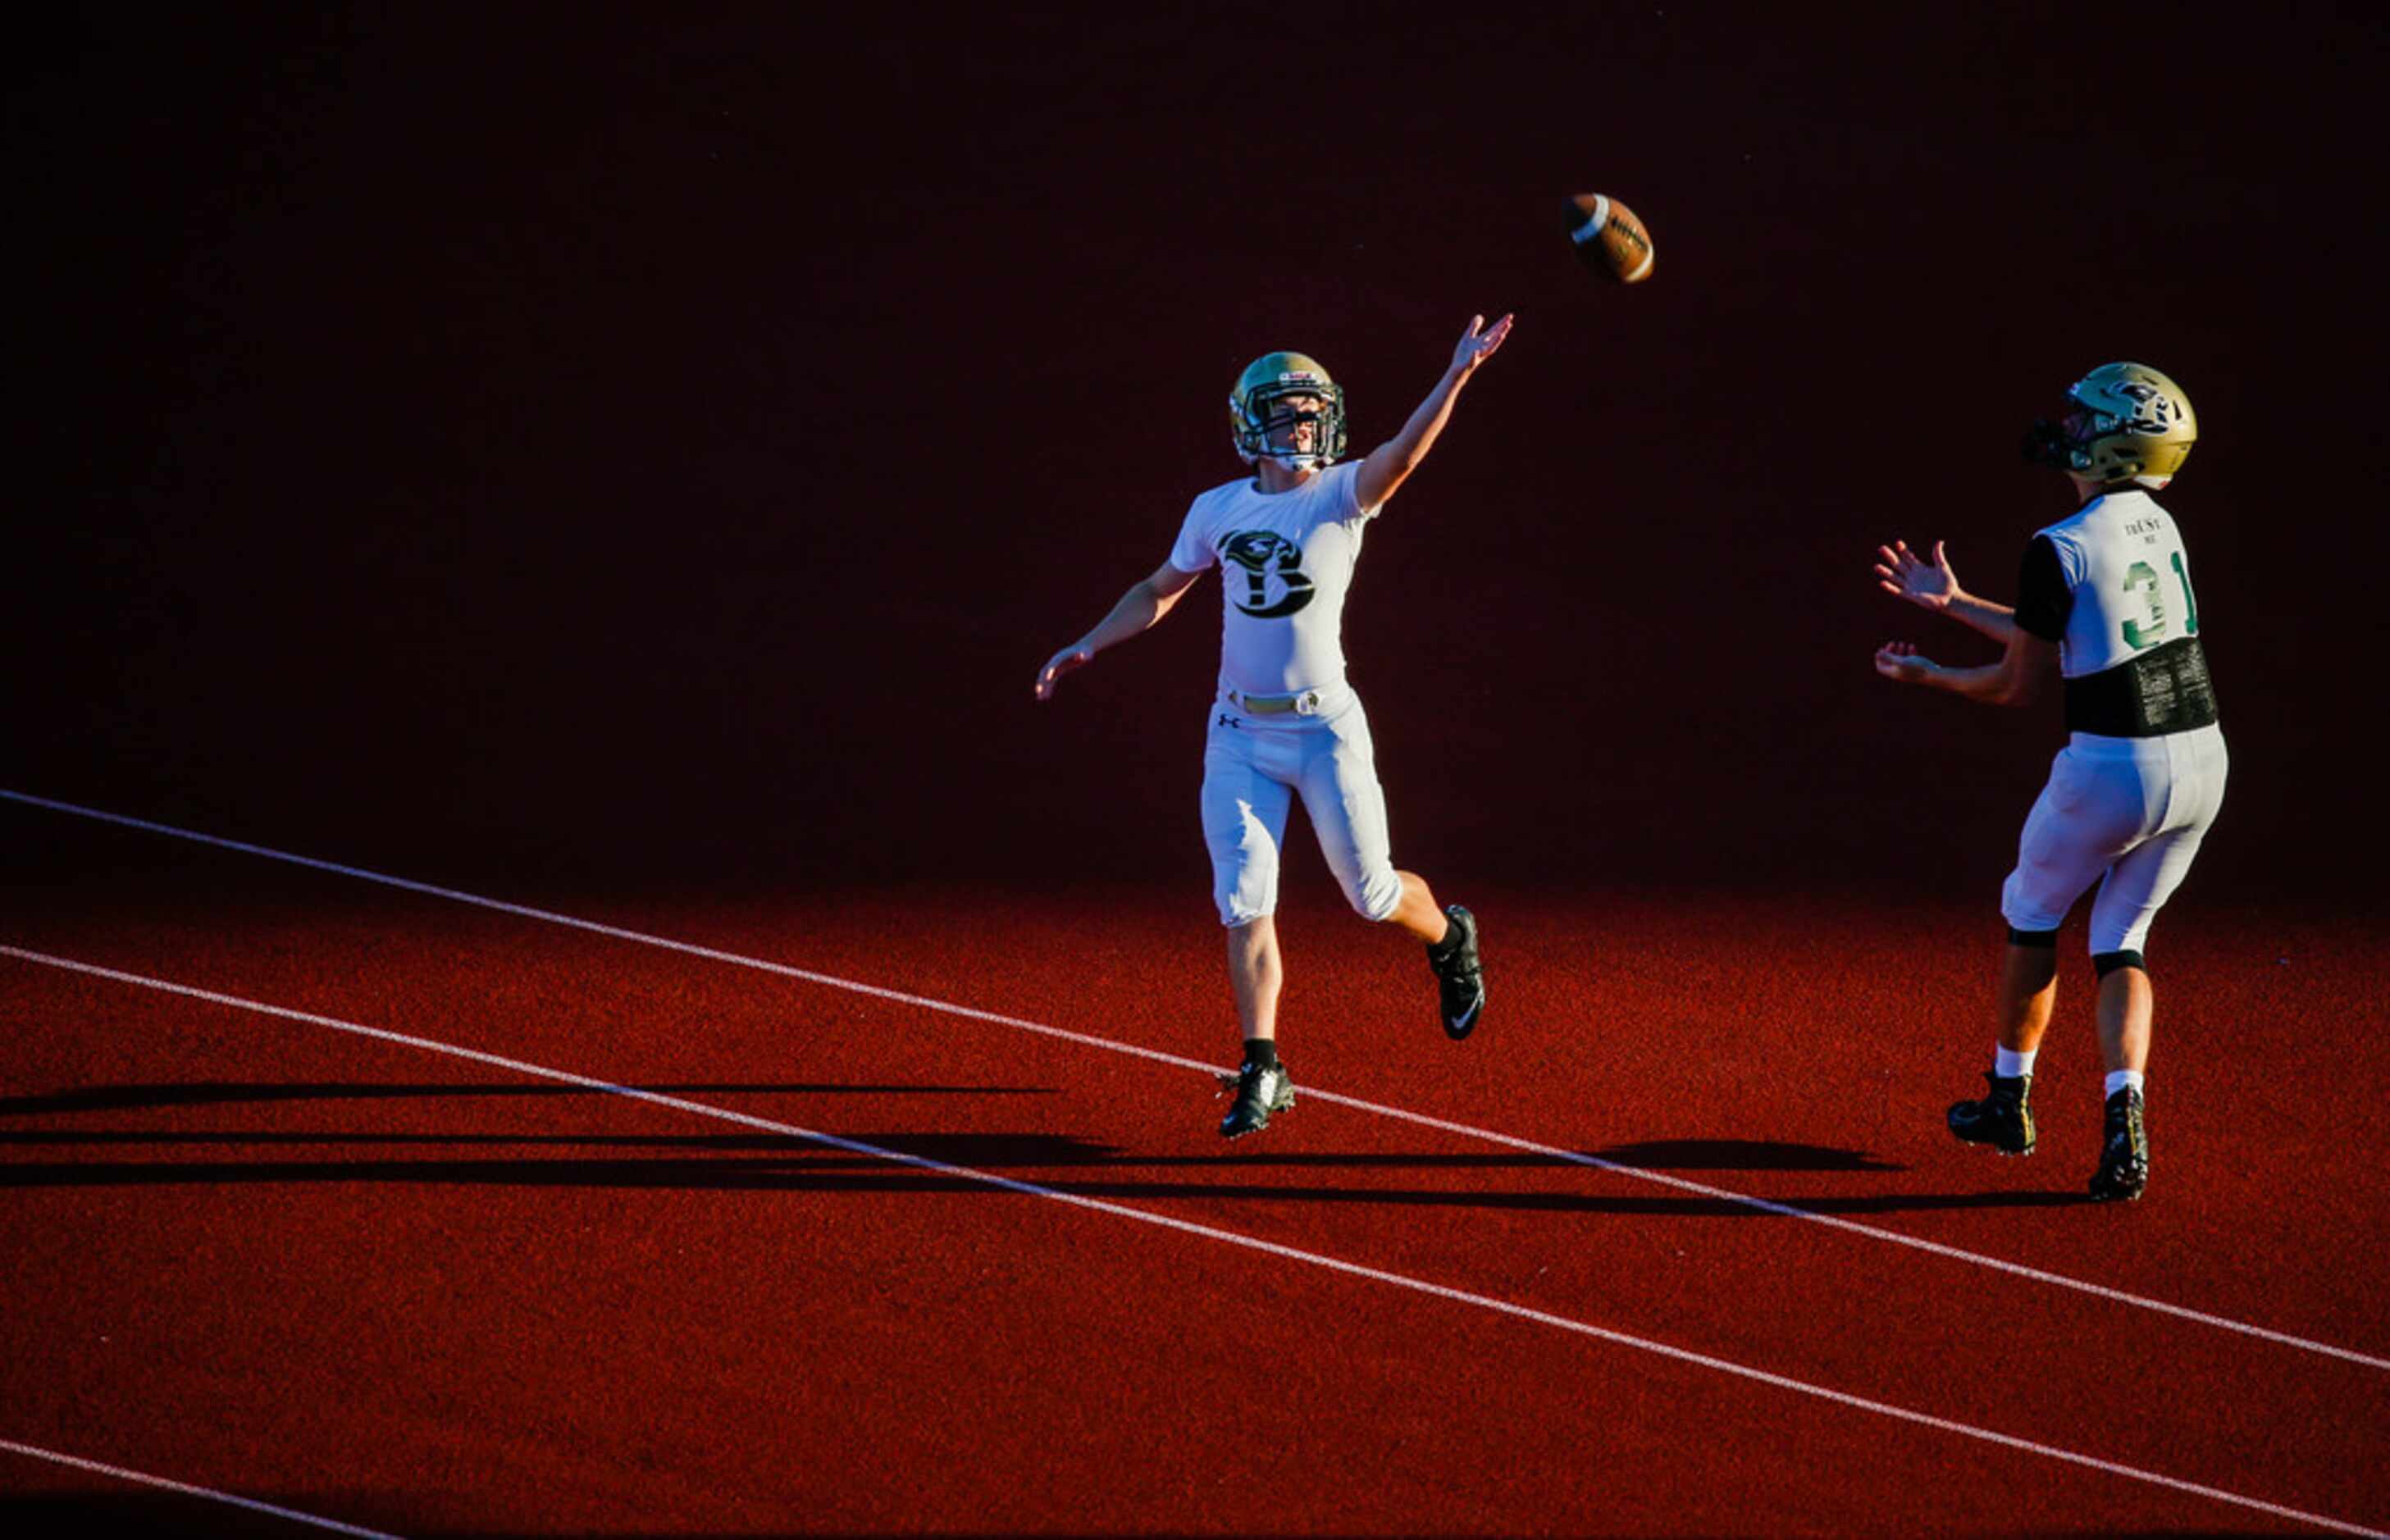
point(1930, 585)
point(1901, 660)
point(1477, 344)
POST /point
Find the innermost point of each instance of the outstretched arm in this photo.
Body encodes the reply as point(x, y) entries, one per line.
point(2015, 680)
point(1138, 610)
point(1398, 456)
point(1934, 586)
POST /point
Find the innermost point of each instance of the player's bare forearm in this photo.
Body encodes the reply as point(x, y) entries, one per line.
point(1981, 684)
point(2014, 681)
point(1138, 611)
point(1996, 620)
point(1394, 460)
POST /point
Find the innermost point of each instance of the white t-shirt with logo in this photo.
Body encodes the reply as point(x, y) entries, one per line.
point(1286, 562)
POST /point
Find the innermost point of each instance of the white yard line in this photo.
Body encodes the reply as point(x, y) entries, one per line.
point(143, 1479)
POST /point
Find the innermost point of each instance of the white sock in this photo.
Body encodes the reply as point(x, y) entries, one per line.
point(2121, 1080)
point(2008, 1063)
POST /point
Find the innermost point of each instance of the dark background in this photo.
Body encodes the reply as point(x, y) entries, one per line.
point(550, 442)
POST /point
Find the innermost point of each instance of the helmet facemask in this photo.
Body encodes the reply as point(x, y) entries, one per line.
point(2057, 444)
point(1285, 414)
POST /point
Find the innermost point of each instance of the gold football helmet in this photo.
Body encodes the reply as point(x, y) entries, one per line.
point(2128, 423)
point(1255, 414)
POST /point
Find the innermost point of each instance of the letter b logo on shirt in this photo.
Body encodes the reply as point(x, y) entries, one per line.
point(1262, 554)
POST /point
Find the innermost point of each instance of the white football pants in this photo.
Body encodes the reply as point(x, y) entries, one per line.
point(2133, 808)
point(1255, 766)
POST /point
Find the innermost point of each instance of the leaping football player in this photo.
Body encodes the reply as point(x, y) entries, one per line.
point(1286, 722)
point(2106, 595)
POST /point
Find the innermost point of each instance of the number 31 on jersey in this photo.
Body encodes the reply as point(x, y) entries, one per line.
point(2141, 583)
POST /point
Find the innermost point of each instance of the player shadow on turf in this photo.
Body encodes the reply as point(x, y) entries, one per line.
point(1738, 1155)
point(206, 1093)
point(1060, 1163)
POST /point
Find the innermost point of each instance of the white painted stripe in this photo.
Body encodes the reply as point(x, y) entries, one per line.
point(188, 1490)
point(1226, 1238)
point(1848, 1226)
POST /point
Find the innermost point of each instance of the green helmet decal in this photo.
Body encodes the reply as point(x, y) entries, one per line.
point(1253, 412)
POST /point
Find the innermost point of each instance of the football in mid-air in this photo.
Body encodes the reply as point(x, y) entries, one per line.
point(1608, 237)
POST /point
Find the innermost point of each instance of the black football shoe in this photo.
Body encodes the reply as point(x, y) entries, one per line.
point(2002, 1119)
point(1262, 1089)
point(1460, 976)
point(2125, 1155)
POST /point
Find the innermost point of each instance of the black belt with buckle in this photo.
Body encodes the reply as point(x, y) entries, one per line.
point(1306, 703)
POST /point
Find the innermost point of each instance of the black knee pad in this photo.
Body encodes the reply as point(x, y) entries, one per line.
point(2033, 938)
point(2105, 963)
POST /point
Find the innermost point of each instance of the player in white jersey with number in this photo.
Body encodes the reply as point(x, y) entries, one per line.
point(2106, 594)
point(1286, 722)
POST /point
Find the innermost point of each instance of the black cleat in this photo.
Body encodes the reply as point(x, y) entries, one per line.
point(2125, 1156)
point(2002, 1119)
point(1261, 1090)
point(1460, 978)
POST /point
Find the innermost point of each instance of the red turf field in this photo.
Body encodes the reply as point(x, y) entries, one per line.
point(629, 462)
point(817, 1279)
